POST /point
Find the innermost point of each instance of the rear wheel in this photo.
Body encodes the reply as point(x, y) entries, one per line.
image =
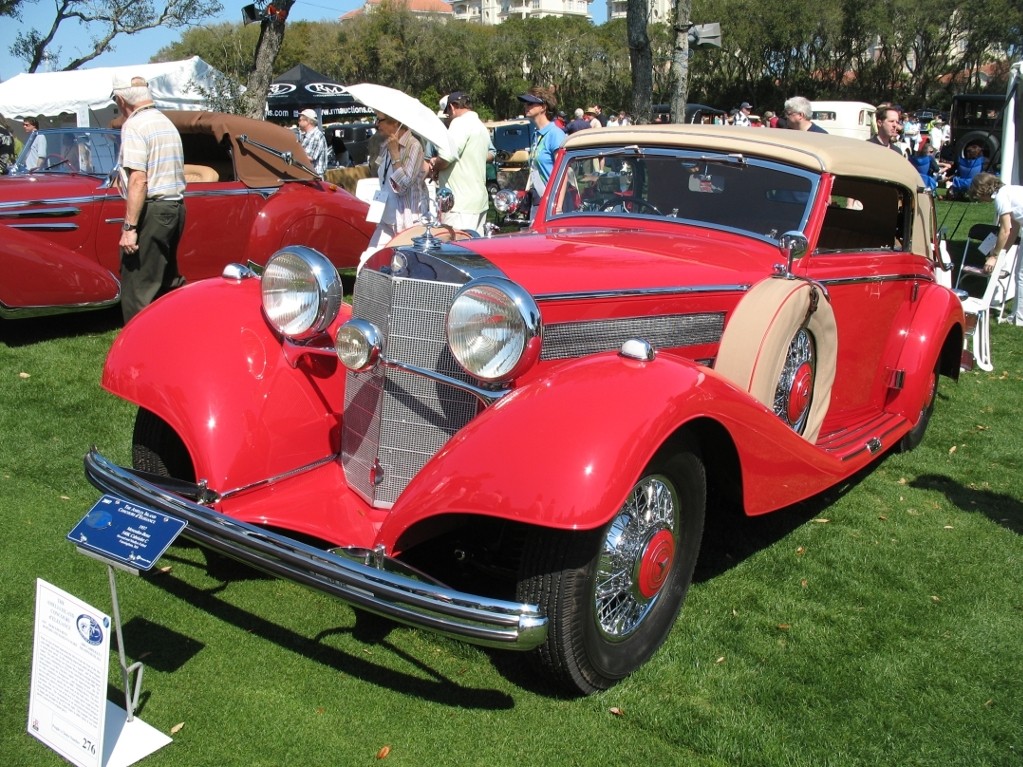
point(611, 595)
point(915, 436)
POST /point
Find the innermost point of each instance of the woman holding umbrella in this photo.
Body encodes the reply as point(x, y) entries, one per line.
point(402, 180)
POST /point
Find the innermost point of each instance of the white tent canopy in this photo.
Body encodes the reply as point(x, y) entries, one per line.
point(82, 97)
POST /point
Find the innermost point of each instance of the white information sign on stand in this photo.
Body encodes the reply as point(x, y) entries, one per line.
point(68, 708)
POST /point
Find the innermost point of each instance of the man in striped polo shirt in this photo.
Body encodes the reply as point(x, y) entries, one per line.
point(153, 185)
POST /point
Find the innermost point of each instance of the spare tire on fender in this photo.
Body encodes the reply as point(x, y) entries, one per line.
point(781, 346)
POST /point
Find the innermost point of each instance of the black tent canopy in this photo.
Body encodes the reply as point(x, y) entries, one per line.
point(304, 88)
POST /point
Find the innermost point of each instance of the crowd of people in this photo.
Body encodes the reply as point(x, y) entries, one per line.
point(408, 171)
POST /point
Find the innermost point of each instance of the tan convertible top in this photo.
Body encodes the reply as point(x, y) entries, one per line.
point(851, 158)
point(253, 166)
point(814, 151)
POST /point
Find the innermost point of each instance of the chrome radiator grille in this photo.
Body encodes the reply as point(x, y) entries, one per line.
point(394, 422)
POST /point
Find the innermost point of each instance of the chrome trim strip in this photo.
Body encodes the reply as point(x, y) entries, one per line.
point(359, 579)
point(54, 227)
point(46, 212)
point(878, 278)
point(633, 292)
point(84, 200)
point(23, 312)
point(279, 477)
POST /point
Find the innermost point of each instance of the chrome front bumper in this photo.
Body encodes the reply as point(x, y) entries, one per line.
point(364, 579)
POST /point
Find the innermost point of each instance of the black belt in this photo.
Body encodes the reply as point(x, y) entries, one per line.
point(151, 201)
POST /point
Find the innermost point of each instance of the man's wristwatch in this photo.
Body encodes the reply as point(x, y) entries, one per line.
point(130, 227)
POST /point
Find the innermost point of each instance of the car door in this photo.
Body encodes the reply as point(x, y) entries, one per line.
point(862, 256)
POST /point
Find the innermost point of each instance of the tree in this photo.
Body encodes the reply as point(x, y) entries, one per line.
point(104, 20)
point(637, 14)
point(680, 60)
point(271, 37)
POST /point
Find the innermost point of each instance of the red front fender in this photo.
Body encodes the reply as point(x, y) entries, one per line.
point(565, 450)
point(36, 275)
point(204, 360)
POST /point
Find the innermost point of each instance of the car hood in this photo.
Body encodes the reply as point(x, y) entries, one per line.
point(580, 260)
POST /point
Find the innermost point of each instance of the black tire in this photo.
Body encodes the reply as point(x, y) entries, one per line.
point(157, 449)
point(915, 436)
point(493, 188)
point(611, 595)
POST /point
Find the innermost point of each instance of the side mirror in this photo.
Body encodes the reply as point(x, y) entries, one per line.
point(793, 246)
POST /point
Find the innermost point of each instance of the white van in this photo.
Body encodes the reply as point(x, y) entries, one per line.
point(854, 119)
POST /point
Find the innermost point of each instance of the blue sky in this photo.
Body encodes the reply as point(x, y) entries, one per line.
point(137, 49)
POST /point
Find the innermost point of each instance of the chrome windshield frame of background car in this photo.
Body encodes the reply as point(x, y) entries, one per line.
point(287, 157)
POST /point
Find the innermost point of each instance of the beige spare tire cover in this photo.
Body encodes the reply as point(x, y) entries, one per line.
point(755, 348)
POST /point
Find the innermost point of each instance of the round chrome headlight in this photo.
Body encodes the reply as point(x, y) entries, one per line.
point(493, 329)
point(302, 292)
point(358, 345)
point(506, 201)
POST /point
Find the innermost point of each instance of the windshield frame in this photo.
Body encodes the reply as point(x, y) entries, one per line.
point(694, 158)
point(61, 143)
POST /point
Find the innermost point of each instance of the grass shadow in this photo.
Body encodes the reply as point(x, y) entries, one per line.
point(435, 687)
point(730, 537)
point(156, 646)
point(33, 330)
point(998, 507)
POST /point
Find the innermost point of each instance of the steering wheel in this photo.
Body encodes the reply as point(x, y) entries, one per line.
point(627, 205)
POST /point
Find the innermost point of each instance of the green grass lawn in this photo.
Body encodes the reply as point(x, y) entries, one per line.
point(880, 624)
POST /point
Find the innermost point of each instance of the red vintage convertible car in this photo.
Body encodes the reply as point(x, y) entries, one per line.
point(698, 317)
point(250, 192)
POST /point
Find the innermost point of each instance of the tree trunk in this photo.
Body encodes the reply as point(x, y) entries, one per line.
point(271, 37)
point(680, 60)
point(637, 15)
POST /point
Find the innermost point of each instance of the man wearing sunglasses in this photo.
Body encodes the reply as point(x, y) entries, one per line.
point(539, 106)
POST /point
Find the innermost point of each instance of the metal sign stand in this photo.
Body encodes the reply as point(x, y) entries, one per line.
point(131, 693)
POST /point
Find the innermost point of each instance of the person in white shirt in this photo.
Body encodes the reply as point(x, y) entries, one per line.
point(742, 116)
point(36, 155)
point(911, 132)
point(938, 135)
point(463, 168)
point(1009, 213)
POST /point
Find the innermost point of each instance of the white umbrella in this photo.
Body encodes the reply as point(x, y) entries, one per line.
point(409, 111)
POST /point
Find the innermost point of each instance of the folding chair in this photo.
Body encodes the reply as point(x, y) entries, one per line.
point(978, 309)
point(977, 234)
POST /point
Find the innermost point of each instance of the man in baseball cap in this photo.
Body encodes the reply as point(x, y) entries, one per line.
point(312, 139)
point(463, 169)
point(742, 116)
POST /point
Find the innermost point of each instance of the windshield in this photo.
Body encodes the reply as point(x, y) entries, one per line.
point(83, 150)
point(752, 196)
point(512, 138)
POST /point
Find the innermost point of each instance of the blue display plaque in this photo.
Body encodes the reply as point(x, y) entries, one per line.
point(125, 532)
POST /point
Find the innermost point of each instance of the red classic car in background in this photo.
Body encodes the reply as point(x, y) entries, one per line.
point(250, 192)
point(516, 440)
